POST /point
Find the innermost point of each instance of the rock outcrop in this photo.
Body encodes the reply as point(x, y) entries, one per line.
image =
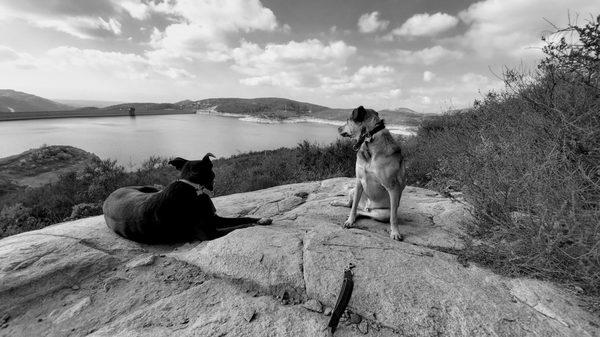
point(79, 278)
point(43, 165)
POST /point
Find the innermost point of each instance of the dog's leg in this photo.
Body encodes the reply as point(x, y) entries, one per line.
point(219, 232)
point(345, 203)
point(223, 226)
point(223, 223)
point(358, 190)
point(395, 193)
point(379, 214)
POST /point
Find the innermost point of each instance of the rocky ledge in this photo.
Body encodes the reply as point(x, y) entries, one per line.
point(78, 278)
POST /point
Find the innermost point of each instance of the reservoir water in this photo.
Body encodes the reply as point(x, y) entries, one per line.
point(131, 141)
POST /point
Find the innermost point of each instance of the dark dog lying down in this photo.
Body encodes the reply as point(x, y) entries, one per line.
point(181, 212)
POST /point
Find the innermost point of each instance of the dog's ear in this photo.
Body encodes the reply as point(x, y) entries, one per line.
point(207, 157)
point(178, 163)
point(358, 114)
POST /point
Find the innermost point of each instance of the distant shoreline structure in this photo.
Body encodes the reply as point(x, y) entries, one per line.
point(395, 129)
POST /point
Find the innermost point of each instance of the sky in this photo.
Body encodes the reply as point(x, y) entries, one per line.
point(429, 56)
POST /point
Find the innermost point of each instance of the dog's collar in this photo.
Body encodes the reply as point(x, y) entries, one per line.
point(368, 136)
point(199, 188)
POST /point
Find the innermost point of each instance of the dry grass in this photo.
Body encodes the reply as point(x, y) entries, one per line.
point(528, 159)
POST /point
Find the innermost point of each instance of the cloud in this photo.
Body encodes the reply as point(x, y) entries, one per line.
point(508, 28)
point(203, 28)
point(137, 9)
point(83, 19)
point(111, 25)
point(455, 92)
point(426, 100)
point(13, 58)
point(294, 64)
point(365, 78)
point(426, 56)
point(370, 23)
point(8, 54)
point(116, 64)
point(428, 76)
point(311, 66)
point(426, 25)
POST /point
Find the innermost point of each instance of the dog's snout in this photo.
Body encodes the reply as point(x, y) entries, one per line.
point(342, 132)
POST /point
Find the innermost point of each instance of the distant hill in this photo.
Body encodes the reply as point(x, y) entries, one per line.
point(282, 108)
point(140, 107)
point(40, 166)
point(268, 107)
point(83, 103)
point(400, 116)
point(16, 101)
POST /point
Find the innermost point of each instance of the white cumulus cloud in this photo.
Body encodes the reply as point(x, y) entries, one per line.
point(370, 23)
point(426, 25)
point(428, 76)
point(366, 77)
point(293, 64)
point(204, 28)
point(426, 56)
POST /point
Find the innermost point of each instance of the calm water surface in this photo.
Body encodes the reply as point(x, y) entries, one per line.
point(131, 141)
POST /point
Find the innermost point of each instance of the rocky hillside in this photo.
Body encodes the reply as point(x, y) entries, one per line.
point(78, 278)
point(40, 166)
point(400, 116)
point(266, 107)
point(16, 101)
point(281, 108)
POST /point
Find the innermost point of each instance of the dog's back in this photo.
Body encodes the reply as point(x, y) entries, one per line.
point(142, 214)
point(126, 212)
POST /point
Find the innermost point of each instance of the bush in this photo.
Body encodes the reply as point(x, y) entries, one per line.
point(306, 162)
point(84, 210)
point(528, 160)
point(16, 219)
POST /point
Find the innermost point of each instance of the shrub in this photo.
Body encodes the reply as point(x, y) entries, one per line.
point(16, 219)
point(84, 210)
point(528, 159)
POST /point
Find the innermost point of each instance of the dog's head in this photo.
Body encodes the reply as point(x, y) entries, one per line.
point(197, 171)
point(359, 122)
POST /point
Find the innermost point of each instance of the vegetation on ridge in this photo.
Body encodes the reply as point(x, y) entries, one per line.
point(528, 160)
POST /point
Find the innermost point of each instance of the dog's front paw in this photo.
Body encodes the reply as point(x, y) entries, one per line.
point(340, 203)
point(264, 222)
point(349, 223)
point(396, 236)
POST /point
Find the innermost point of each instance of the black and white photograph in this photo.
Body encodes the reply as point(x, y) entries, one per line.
point(310, 168)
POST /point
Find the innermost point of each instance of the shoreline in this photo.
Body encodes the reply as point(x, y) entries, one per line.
point(393, 128)
point(32, 115)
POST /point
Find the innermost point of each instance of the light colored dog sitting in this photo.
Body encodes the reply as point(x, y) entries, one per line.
point(380, 170)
